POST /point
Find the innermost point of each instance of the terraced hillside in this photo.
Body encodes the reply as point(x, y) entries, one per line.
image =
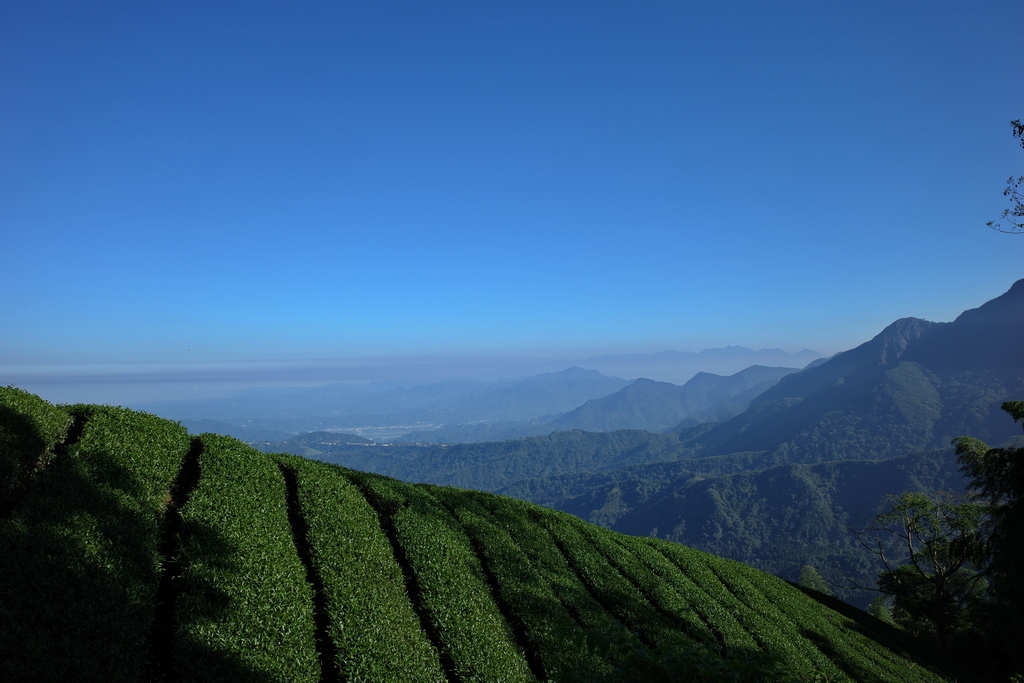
point(132, 551)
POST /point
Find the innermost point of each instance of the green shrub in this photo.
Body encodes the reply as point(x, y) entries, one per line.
point(245, 609)
point(374, 627)
point(80, 565)
point(453, 592)
point(30, 428)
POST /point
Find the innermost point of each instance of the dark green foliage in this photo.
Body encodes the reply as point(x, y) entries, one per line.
point(997, 476)
point(929, 546)
point(679, 661)
point(778, 520)
point(527, 600)
point(812, 579)
point(79, 563)
point(453, 591)
point(244, 603)
point(489, 466)
point(376, 632)
point(137, 557)
point(30, 429)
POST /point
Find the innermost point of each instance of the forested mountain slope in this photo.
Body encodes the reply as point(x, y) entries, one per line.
point(913, 387)
point(132, 551)
point(778, 520)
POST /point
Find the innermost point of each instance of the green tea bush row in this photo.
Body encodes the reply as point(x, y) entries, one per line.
point(767, 608)
point(695, 566)
point(80, 564)
point(861, 658)
point(620, 597)
point(453, 592)
point(406, 582)
point(531, 602)
point(30, 428)
point(773, 628)
point(375, 630)
point(550, 565)
point(626, 552)
point(727, 631)
point(245, 609)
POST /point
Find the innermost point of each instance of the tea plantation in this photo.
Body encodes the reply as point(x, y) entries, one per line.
point(131, 551)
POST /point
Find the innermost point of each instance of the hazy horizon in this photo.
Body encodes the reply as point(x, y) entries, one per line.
point(199, 195)
point(135, 385)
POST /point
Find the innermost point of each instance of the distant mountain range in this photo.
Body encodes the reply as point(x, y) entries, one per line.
point(656, 406)
point(552, 392)
point(775, 484)
point(912, 388)
point(643, 404)
point(678, 367)
point(340, 406)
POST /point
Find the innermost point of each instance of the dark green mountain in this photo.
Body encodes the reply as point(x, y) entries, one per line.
point(778, 520)
point(130, 551)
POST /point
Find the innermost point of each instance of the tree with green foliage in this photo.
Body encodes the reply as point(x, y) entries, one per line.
point(879, 608)
point(937, 585)
point(1015, 191)
point(812, 578)
point(997, 477)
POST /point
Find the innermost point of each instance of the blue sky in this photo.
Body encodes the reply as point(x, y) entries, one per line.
point(195, 186)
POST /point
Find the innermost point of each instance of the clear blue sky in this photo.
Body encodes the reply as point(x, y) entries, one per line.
point(212, 184)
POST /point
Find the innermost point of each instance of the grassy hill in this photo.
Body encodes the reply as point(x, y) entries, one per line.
point(132, 551)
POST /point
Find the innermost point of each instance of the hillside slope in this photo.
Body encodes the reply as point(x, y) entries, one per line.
point(914, 386)
point(777, 520)
point(131, 551)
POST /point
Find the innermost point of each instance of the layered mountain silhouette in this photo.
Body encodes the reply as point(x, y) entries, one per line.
point(338, 406)
point(914, 386)
point(643, 404)
point(655, 406)
point(778, 485)
point(774, 485)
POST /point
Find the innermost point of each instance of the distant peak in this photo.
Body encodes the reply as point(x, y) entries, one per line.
point(895, 338)
point(905, 326)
